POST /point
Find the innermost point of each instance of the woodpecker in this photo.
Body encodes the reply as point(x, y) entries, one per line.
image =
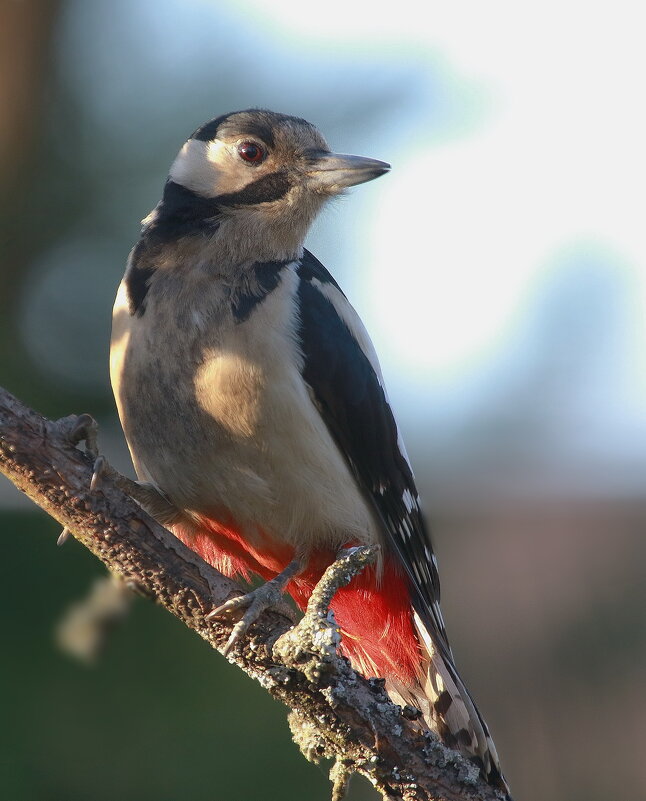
point(255, 411)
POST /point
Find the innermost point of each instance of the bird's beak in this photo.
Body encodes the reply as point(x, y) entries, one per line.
point(332, 172)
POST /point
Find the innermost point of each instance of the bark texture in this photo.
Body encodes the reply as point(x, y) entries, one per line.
point(335, 713)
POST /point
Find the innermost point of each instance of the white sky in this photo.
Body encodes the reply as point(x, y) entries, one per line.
point(558, 160)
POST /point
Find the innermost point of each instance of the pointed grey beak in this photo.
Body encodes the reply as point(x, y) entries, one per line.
point(332, 172)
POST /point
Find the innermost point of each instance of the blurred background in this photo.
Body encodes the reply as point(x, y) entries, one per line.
point(501, 270)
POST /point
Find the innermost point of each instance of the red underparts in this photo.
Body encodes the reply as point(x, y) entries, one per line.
point(374, 616)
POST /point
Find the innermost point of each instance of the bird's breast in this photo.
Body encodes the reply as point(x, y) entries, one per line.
point(217, 415)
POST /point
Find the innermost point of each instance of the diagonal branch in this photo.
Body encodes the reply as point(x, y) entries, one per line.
point(335, 713)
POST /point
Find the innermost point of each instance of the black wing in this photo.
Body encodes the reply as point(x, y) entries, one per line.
point(352, 401)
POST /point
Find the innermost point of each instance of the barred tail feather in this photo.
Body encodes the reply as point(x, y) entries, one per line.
point(449, 709)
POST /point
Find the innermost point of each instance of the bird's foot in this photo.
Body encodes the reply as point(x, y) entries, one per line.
point(83, 427)
point(255, 603)
point(312, 644)
point(77, 428)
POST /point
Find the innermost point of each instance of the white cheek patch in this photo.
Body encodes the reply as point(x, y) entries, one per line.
point(204, 167)
point(219, 154)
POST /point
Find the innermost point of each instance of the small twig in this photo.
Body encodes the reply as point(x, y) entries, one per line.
point(87, 624)
point(335, 713)
point(63, 537)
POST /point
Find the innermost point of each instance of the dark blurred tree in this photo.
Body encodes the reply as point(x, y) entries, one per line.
point(27, 33)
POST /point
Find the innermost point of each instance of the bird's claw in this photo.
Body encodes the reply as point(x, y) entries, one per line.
point(255, 602)
point(100, 467)
point(84, 427)
point(75, 429)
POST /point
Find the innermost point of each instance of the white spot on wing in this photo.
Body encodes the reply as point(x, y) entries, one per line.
point(430, 556)
point(409, 501)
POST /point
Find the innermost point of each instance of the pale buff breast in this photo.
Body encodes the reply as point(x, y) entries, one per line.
point(217, 415)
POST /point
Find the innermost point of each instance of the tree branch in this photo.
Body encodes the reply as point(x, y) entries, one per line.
point(335, 713)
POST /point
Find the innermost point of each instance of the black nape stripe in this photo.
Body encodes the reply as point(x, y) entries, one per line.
point(182, 205)
point(264, 190)
point(266, 276)
point(181, 212)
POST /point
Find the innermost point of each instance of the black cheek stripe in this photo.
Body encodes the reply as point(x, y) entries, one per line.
point(264, 190)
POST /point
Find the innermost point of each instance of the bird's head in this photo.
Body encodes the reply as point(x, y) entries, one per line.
point(259, 178)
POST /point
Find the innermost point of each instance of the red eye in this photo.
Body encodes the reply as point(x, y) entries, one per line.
point(251, 152)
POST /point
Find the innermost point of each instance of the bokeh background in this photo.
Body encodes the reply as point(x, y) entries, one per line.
point(501, 270)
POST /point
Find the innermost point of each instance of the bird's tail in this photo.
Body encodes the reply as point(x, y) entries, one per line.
point(383, 637)
point(448, 708)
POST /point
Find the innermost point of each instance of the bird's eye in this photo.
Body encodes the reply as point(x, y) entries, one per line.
point(251, 152)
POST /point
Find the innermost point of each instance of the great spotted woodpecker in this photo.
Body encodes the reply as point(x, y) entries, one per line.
point(253, 404)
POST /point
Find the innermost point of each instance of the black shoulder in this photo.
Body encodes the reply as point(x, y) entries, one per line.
point(310, 268)
point(351, 400)
point(262, 279)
